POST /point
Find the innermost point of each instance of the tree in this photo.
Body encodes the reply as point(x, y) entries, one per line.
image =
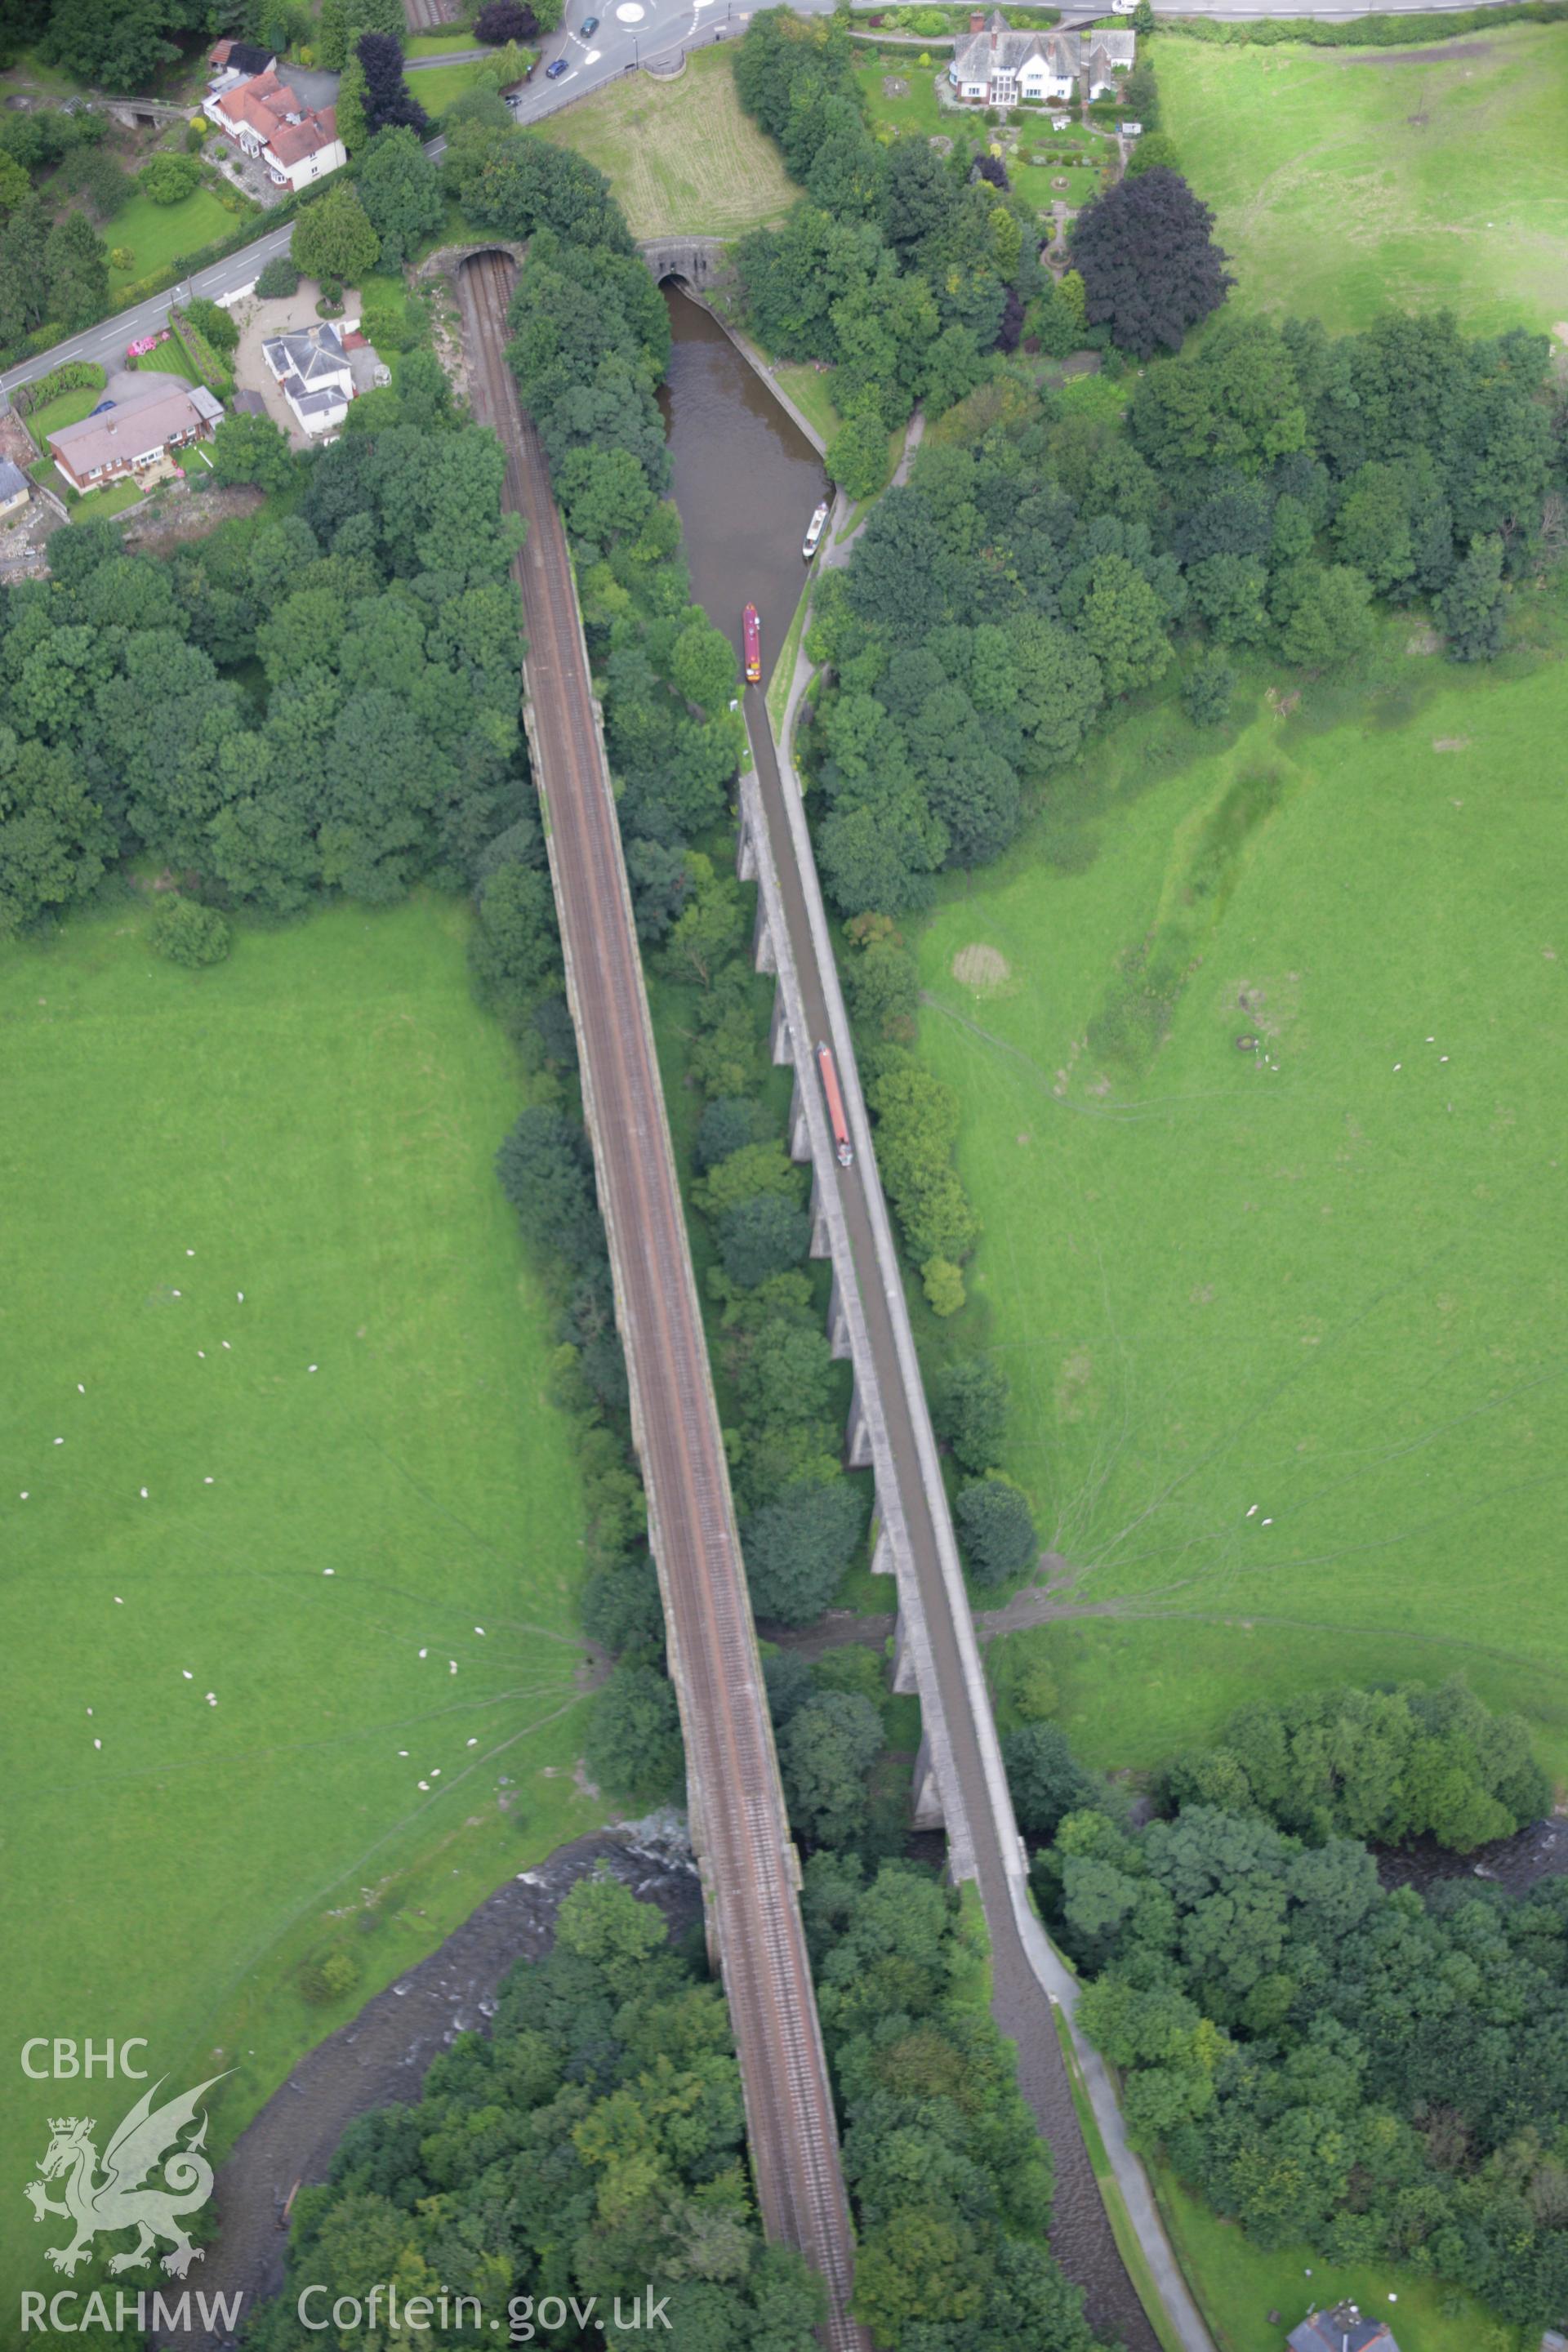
point(400, 190)
point(114, 49)
point(858, 455)
point(97, 176)
point(970, 1411)
point(703, 664)
point(825, 1754)
point(388, 102)
point(1120, 621)
point(333, 238)
point(996, 1531)
point(353, 117)
point(606, 495)
point(1047, 1780)
point(278, 279)
point(1138, 94)
point(187, 933)
point(1322, 613)
point(728, 1126)
point(761, 1237)
point(24, 280)
point(500, 21)
point(252, 449)
point(1207, 688)
point(1470, 609)
point(633, 1742)
point(211, 320)
point(1156, 150)
point(55, 839)
point(332, 30)
point(75, 263)
point(170, 179)
point(546, 1173)
point(1149, 267)
point(797, 1549)
point(514, 946)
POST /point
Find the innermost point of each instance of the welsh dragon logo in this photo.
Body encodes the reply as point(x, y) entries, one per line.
point(116, 2199)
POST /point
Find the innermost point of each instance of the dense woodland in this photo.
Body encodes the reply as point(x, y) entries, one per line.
point(1328, 2063)
point(1042, 564)
point(330, 704)
point(592, 2147)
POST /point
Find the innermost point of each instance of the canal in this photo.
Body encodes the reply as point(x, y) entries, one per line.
point(746, 478)
point(746, 481)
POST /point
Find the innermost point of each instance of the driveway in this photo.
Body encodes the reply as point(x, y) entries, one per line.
point(257, 323)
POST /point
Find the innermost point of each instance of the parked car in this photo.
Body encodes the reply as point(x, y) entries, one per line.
point(554, 72)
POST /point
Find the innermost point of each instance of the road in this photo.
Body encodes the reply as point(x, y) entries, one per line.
point(739, 1822)
point(614, 48)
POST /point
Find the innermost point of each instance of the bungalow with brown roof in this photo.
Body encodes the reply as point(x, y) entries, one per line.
point(133, 436)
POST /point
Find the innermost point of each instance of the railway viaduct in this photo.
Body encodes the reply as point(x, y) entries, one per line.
point(740, 1827)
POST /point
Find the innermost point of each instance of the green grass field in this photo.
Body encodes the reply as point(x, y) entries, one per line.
point(1239, 2284)
point(1347, 180)
point(307, 1501)
point(436, 86)
point(160, 235)
point(1283, 1326)
point(682, 156)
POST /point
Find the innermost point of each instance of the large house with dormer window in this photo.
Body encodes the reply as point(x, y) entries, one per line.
point(993, 66)
point(269, 124)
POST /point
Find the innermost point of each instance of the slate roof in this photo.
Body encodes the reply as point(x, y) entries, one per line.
point(997, 48)
point(12, 480)
point(308, 357)
point(1343, 2329)
point(242, 56)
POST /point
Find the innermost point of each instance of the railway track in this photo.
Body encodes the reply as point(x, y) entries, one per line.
point(739, 1819)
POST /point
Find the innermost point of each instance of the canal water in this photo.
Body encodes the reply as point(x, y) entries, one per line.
point(746, 479)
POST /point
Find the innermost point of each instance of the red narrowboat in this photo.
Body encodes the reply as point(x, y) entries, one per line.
point(752, 632)
point(834, 1106)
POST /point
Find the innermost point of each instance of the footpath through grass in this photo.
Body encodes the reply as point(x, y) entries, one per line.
point(1283, 1324)
point(682, 157)
point(1346, 181)
point(306, 1501)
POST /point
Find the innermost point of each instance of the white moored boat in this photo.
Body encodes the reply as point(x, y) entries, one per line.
point(813, 531)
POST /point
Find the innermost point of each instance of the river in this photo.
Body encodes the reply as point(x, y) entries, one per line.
point(746, 478)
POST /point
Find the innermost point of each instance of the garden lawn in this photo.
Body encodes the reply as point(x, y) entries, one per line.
point(1348, 179)
point(1239, 2284)
point(161, 235)
point(66, 408)
point(312, 1125)
point(99, 505)
point(436, 86)
point(682, 157)
point(1283, 1326)
point(917, 110)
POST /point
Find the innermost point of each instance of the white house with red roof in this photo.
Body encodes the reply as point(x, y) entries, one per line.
point(268, 120)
